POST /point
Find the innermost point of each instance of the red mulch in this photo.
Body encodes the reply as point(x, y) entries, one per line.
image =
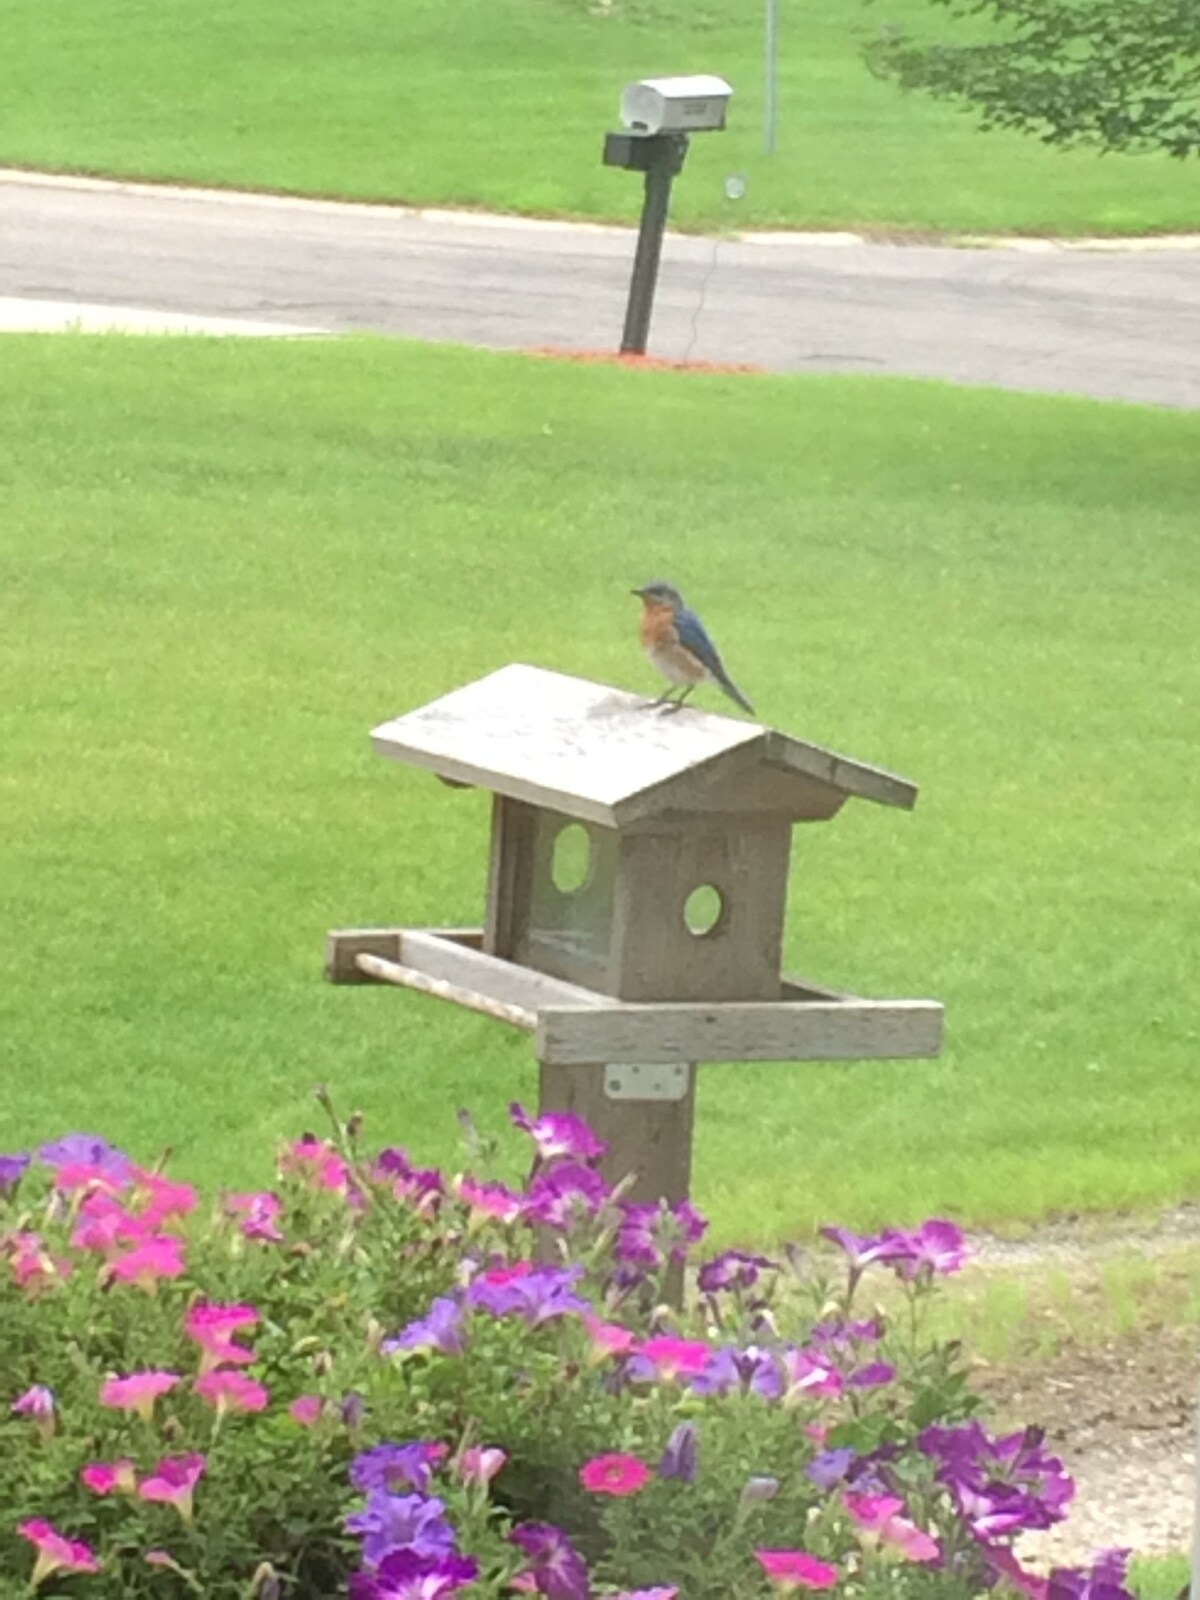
point(643, 363)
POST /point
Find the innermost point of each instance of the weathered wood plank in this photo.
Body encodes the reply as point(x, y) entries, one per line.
point(816, 1030)
point(381, 971)
point(607, 756)
point(505, 981)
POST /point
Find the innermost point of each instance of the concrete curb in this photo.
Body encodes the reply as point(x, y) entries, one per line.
point(501, 222)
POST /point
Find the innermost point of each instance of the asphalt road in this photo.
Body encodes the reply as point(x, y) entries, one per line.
point(1113, 324)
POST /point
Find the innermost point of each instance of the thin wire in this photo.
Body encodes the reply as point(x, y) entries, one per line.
point(699, 306)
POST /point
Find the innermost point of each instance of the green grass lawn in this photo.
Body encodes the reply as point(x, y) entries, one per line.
point(222, 563)
point(503, 103)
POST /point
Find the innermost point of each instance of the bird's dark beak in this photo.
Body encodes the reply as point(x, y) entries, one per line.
point(638, 592)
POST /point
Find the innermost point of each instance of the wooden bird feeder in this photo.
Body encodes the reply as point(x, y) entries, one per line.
point(635, 903)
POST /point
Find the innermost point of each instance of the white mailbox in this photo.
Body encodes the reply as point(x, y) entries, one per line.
point(675, 105)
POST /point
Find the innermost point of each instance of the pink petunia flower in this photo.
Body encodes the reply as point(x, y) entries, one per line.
point(795, 1569)
point(230, 1391)
point(173, 1482)
point(879, 1516)
point(488, 1200)
point(160, 1200)
point(613, 1474)
point(103, 1225)
point(159, 1256)
point(807, 1375)
point(55, 1552)
point(32, 1266)
point(661, 1593)
point(212, 1327)
point(318, 1163)
point(305, 1409)
point(109, 1477)
point(479, 1465)
point(606, 1338)
point(137, 1392)
point(558, 1133)
point(671, 1357)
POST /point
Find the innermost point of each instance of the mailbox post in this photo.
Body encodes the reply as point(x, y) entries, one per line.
point(658, 114)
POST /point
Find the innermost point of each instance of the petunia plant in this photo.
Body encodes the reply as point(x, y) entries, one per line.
point(385, 1382)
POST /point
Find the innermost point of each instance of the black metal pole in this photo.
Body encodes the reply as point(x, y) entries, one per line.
point(665, 161)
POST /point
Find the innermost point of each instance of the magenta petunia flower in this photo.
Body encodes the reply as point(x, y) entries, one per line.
point(661, 1593)
point(615, 1474)
point(160, 1256)
point(212, 1327)
point(55, 1552)
point(109, 1477)
point(230, 1391)
point(257, 1215)
point(159, 1200)
point(36, 1402)
point(879, 1516)
point(173, 1482)
point(104, 1225)
point(562, 1192)
point(670, 1358)
point(558, 1133)
point(305, 1409)
point(556, 1569)
point(795, 1569)
point(137, 1392)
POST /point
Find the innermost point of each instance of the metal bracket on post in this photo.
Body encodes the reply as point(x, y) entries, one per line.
point(660, 157)
point(647, 1081)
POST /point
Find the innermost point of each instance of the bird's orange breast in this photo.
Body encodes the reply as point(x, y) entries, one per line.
point(657, 626)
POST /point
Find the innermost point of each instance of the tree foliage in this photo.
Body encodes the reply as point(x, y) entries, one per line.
point(1118, 74)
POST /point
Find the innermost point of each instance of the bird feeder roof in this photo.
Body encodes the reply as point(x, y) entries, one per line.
point(602, 755)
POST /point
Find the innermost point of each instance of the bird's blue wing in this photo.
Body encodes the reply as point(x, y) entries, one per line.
point(693, 637)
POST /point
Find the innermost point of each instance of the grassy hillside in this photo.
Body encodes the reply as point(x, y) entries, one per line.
point(503, 103)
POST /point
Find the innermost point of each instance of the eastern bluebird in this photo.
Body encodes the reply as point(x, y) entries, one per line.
point(675, 642)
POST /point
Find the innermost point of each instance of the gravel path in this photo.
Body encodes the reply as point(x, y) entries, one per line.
point(1122, 1414)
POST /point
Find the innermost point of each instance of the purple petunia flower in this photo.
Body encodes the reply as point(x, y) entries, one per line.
point(679, 1456)
point(732, 1269)
point(935, 1247)
point(535, 1296)
point(1002, 1485)
point(401, 1522)
point(556, 1568)
point(11, 1168)
point(829, 1467)
point(439, 1329)
point(872, 1375)
point(689, 1226)
point(558, 1133)
point(560, 1193)
point(396, 1466)
point(406, 1575)
point(87, 1150)
point(1103, 1580)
